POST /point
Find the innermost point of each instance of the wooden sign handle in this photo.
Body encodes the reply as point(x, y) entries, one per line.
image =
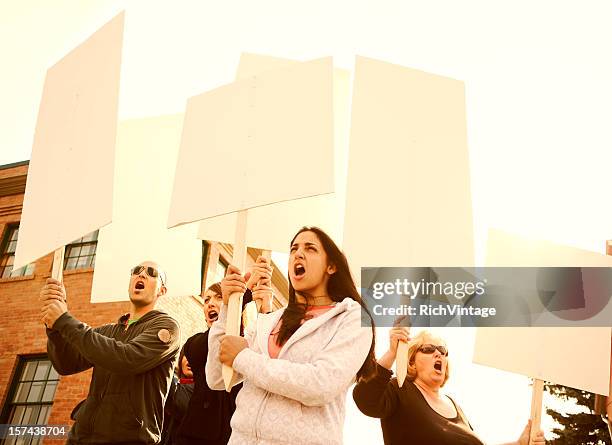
point(401, 363)
point(234, 307)
point(253, 308)
point(57, 272)
point(536, 407)
point(268, 255)
point(401, 358)
point(607, 421)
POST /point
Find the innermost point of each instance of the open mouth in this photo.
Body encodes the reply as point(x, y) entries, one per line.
point(438, 366)
point(299, 270)
point(139, 285)
point(213, 315)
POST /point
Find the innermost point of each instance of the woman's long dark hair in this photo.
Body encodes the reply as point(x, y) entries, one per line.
point(339, 287)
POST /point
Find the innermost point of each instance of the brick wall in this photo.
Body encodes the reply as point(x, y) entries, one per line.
point(24, 334)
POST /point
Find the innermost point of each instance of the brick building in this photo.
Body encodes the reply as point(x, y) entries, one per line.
point(30, 390)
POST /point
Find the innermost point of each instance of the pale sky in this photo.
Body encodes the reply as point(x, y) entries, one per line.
point(538, 94)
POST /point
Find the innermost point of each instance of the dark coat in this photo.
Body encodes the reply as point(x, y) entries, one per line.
point(175, 409)
point(133, 367)
point(406, 417)
point(207, 420)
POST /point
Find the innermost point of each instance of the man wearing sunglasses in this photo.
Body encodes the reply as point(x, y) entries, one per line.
point(133, 361)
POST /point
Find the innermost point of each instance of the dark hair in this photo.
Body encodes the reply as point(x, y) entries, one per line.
point(216, 288)
point(339, 287)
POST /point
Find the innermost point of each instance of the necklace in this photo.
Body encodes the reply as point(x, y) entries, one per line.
point(322, 300)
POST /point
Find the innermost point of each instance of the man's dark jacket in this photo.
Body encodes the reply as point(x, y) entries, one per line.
point(133, 366)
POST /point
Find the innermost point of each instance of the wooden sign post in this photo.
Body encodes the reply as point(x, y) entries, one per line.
point(267, 254)
point(536, 408)
point(401, 363)
point(253, 308)
point(234, 307)
point(58, 264)
point(57, 271)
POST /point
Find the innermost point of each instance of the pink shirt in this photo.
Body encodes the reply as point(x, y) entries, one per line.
point(311, 312)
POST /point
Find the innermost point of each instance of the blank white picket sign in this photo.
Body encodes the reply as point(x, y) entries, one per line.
point(408, 193)
point(147, 149)
point(74, 147)
point(574, 357)
point(263, 140)
point(272, 226)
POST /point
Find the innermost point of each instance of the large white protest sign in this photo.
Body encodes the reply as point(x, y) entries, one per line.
point(261, 140)
point(143, 185)
point(408, 192)
point(273, 226)
point(575, 357)
point(74, 147)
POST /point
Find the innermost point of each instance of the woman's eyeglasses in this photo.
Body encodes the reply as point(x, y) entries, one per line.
point(430, 349)
point(150, 271)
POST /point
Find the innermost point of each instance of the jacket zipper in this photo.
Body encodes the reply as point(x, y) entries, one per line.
point(259, 414)
point(101, 397)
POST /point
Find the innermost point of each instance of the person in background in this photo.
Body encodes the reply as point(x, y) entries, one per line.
point(417, 413)
point(178, 399)
point(207, 419)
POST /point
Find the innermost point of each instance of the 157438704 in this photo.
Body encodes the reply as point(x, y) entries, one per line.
point(8, 431)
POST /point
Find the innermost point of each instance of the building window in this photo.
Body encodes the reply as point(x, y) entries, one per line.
point(205, 250)
point(218, 273)
point(8, 247)
point(81, 253)
point(31, 396)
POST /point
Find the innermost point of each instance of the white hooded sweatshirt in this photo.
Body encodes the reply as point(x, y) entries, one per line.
point(299, 397)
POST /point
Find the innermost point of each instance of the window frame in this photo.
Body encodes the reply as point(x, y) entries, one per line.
point(79, 243)
point(25, 271)
point(17, 379)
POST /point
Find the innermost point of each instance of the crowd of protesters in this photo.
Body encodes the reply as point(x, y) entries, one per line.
point(293, 367)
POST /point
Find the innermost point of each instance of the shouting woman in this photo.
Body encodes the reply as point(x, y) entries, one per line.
point(297, 363)
point(418, 413)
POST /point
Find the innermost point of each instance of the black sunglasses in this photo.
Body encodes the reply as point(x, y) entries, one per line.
point(430, 349)
point(151, 271)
